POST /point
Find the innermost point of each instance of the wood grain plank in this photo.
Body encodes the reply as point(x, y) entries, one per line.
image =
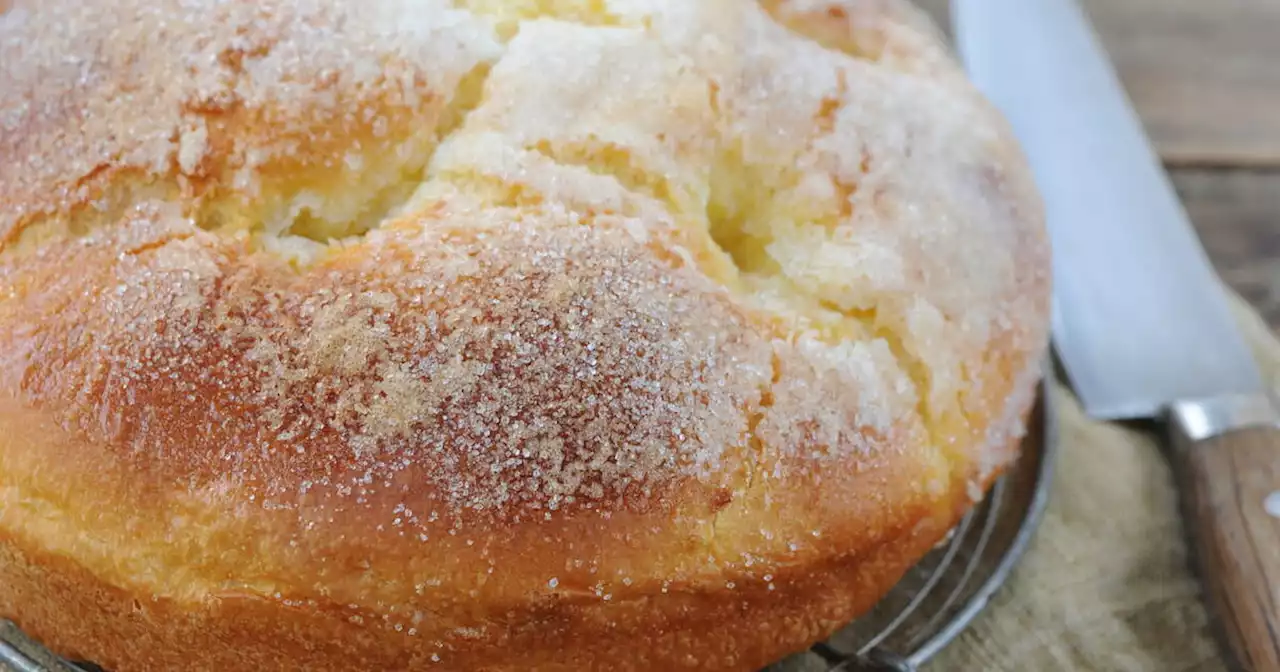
point(1237, 213)
point(1204, 75)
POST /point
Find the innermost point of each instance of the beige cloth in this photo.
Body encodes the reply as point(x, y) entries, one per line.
point(1106, 585)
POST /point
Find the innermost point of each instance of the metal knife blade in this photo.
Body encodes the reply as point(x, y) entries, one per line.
point(1140, 320)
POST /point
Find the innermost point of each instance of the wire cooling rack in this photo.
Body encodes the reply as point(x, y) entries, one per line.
point(932, 604)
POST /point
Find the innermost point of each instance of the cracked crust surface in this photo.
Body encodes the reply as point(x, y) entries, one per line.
point(519, 334)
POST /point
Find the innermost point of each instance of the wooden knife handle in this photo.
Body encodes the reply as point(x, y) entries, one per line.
point(1232, 492)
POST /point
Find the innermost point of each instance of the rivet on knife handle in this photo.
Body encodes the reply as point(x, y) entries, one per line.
point(1229, 455)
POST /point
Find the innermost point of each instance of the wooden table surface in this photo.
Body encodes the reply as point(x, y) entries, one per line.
point(1205, 77)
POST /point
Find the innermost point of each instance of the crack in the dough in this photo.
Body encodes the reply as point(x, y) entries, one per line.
point(686, 204)
point(753, 461)
point(611, 160)
point(754, 442)
point(106, 194)
point(913, 366)
point(745, 223)
point(491, 190)
point(916, 370)
point(154, 245)
point(467, 96)
point(832, 27)
point(831, 104)
point(739, 194)
point(507, 15)
point(310, 216)
point(392, 197)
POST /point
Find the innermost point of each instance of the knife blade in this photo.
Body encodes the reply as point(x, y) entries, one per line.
point(1140, 322)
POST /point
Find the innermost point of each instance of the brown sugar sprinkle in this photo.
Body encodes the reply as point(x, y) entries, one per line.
point(506, 256)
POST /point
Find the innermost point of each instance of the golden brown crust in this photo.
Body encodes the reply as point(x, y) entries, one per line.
point(498, 335)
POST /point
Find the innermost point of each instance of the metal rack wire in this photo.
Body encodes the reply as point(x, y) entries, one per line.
point(932, 604)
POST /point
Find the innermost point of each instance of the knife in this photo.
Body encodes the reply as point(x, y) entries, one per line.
point(1140, 322)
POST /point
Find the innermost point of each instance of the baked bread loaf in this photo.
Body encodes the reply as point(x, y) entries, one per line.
point(494, 334)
